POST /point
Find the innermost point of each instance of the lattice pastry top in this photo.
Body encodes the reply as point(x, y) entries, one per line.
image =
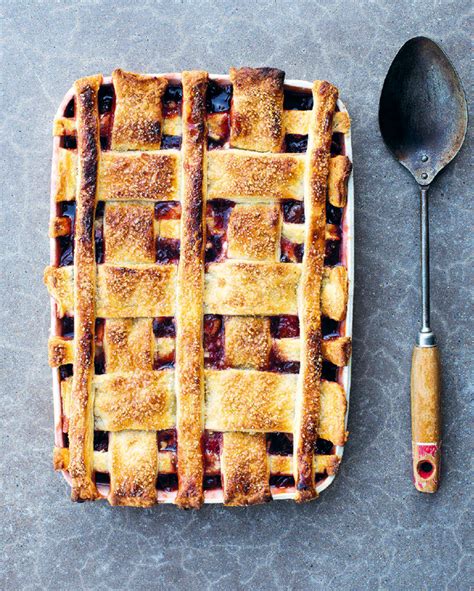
point(199, 280)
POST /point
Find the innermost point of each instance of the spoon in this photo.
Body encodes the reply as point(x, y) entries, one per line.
point(423, 121)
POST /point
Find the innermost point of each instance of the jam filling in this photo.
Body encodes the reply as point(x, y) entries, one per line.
point(161, 362)
point(99, 233)
point(282, 481)
point(334, 214)
point(68, 142)
point(66, 250)
point(295, 143)
point(297, 100)
point(280, 444)
point(215, 248)
point(217, 218)
point(102, 478)
point(324, 447)
point(167, 440)
point(167, 250)
point(291, 252)
point(106, 98)
point(66, 209)
point(278, 365)
point(169, 142)
point(101, 441)
point(213, 443)
point(66, 371)
point(330, 372)
point(329, 327)
point(164, 326)
point(167, 482)
point(173, 100)
point(217, 213)
point(218, 97)
point(213, 342)
point(67, 327)
point(223, 133)
point(167, 210)
point(284, 327)
point(212, 482)
point(70, 109)
point(332, 255)
point(293, 211)
point(337, 144)
point(215, 144)
point(99, 356)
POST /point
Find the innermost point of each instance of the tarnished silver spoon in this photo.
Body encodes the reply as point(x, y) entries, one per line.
point(423, 121)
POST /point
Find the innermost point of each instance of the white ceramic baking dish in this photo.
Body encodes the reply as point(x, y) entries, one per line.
point(347, 259)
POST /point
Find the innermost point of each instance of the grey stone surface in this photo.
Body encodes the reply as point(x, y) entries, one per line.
point(371, 529)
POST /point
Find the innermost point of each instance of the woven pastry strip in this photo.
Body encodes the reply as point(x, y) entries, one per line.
point(82, 402)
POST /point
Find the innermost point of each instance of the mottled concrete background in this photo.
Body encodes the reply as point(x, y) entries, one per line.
point(371, 529)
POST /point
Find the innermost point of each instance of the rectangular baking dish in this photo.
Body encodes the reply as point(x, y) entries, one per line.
point(347, 259)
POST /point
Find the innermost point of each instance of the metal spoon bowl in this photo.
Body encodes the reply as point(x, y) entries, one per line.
point(423, 121)
point(423, 110)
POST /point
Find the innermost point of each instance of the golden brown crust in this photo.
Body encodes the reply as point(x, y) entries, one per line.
point(251, 288)
point(61, 458)
point(129, 233)
point(334, 292)
point(133, 291)
point(138, 116)
point(60, 226)
point(339, 172)
point(333, 412)
point(232, 288)
point(64, 126)
point(308, 402)
point(143, 176)
point(253, 232)
point(82, 400)
point(60, 351)
point(128, 344)
point(245, 469)
point(249, 400)
point(247, 176)
point(189, 295)
point(341, 122)
point(142, 400)
point(133, 462)
point(337, 350)
point(295, 232)
point(247, 342)
point(59, 282)
point(257, 109)
point(65, 188)
point(298, 122)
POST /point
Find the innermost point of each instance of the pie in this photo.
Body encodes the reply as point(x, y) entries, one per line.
point(201, 257)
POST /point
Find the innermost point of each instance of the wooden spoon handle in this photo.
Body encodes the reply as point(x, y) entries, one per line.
point(426, 418)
